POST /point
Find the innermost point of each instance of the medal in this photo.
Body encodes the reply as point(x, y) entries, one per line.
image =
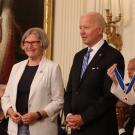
point(125, 98)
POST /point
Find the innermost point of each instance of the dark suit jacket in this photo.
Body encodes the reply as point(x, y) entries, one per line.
point(4, 124)
point(3, 132)
point(125, 133)
point(90, 97)
point(129, 127)
point(3, 127)
point(131, 123)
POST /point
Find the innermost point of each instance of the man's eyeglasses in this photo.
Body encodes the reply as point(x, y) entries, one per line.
point(34, 43)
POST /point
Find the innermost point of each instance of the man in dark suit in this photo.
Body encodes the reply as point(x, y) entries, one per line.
point(89, 106)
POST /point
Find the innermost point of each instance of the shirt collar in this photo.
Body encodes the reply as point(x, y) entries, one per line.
point(96, 47)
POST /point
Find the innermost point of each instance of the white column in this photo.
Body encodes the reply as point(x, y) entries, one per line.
point(66, 33)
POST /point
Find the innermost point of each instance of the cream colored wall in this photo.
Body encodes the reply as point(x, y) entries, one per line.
point(66, 33)
point(67, 40)
point(128, 35)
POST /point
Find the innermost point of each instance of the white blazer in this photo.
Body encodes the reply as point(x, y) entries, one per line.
point(46, 93)
point(119, 93)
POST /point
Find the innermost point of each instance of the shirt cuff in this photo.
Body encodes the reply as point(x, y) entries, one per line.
point(121, 130)
point(69, 114)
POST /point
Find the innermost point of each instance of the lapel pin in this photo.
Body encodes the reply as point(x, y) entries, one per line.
point(125, 98)
point(100, 54)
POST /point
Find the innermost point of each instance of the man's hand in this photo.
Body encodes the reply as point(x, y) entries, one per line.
point(74, 121)
point(111, 74)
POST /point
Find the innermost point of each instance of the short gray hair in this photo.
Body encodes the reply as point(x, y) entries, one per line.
point(98, 18)
point(39, 33)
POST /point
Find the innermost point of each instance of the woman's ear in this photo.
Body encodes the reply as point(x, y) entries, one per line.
point(22, 47)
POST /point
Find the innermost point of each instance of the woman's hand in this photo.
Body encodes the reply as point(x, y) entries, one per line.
point(15, 116)
point(30, 117)
point(111, 74)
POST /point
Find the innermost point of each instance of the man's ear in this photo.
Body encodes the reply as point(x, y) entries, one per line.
point(100, 30)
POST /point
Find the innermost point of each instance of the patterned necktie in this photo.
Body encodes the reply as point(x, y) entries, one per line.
point(85, 61)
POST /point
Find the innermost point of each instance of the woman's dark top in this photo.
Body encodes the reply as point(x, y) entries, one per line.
point(23, 89)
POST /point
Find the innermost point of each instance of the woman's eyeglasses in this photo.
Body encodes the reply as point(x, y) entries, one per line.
point(33, 43)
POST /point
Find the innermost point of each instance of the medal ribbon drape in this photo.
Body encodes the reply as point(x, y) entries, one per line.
point(121, 83)
point(85, 61)
point(120, 80)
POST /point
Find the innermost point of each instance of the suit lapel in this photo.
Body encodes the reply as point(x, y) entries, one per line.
point(38, 76)
point(93, 64)
point(20, 71)
point(79, 68)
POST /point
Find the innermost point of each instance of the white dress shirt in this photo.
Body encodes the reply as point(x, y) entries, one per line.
point(95, 48)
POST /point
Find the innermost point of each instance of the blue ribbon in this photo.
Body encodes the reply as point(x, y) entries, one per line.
point(120, 80)
point(131, 84)
point(121, 83)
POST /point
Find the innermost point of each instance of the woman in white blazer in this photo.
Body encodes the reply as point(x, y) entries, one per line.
point(34, 92)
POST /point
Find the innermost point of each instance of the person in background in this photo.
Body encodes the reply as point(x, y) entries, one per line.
point(123, 112)
point(3, 121)
point(89, 105)
point(34, 92)
point(125, 129)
